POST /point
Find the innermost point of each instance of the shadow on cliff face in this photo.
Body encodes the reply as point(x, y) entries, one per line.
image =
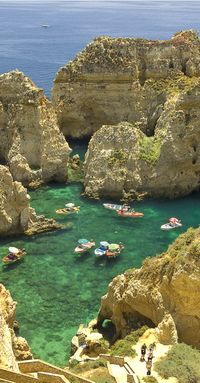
point(78, 146)
point(132, 321)
point(108, 330)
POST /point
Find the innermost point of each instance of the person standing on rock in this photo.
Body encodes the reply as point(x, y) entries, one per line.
point(148, 366)
point(143, 352)
point(150, 355)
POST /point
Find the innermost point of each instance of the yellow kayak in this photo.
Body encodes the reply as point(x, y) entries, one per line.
point(67, 210)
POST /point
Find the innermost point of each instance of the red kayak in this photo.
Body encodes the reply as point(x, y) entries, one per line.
point(114, 250)
point(134, 214)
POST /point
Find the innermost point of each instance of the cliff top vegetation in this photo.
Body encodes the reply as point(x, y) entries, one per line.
point(182, 255)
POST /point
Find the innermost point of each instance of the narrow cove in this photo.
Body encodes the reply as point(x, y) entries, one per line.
point(55, 290)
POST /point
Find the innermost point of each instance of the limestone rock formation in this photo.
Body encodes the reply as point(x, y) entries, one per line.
point(164, 292)
point(31, 143)
point(16, 215)
point(122, 160)
point(8, 340)
point(122, 79)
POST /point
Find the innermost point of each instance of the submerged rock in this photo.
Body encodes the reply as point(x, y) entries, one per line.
point(31, 143)
point(164, 292)
point(16, 215)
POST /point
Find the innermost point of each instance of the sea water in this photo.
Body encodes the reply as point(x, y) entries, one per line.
point(39, 52)
point(56, 290)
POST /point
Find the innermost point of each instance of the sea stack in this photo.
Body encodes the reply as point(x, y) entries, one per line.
point(31, 143)
point(16, 215)
point(146, 95)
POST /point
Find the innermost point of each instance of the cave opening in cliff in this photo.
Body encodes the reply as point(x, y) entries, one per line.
point(2, 160)
point(108, 330)
point(79, 146)
point(135, 320)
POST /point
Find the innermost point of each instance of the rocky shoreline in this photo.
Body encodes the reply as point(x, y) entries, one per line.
point(139, 101)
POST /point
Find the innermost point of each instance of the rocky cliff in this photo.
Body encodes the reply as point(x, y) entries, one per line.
point(16, 215)
point(31, 143)
point(122, 161)
point(11, 347)
point(164, 292)
point(122, 79)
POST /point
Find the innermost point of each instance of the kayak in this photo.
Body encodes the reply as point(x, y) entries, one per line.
point(170, 226)
point(99, 252)
point(134, 214)
point(84, 247)
point(112, 206)
point(16, 257)
point(67, 210)
point(114, 250)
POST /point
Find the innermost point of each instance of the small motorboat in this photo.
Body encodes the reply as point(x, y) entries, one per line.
point(172, 224)
point(14, 255)
point(114, 249)
point(83, 246)
point(112, 206)
point(134, 214)
point(101, 250)
point(68, 209)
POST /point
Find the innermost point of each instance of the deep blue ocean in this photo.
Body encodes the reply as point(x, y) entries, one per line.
point(39, 52)
point(55, 290)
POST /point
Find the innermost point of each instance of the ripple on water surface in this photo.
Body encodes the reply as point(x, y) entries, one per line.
point(55, 290)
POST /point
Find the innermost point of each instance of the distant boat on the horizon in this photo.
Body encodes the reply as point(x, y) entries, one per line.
point(45, 26)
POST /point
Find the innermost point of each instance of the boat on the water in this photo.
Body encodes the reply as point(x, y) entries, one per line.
point(173, 223)
point(114, 249)
point(14, 255)
point(83, 246)
point(101, 250)
point(134, 214)
point(112, 206)
point(68, 209)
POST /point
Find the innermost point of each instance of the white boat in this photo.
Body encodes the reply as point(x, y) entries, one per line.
point(45, 26)
point(170, 226)
point(113, 206)
point(101, 250)
point(83, 246)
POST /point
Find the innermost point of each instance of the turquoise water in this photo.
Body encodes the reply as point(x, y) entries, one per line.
point(55, 290)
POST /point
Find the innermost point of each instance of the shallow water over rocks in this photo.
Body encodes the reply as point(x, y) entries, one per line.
point(55, 290)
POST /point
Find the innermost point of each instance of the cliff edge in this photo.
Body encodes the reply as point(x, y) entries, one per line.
point(115, 79)
point(163, 293)
point(12, 348)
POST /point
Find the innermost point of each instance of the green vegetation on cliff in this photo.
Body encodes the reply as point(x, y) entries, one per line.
point(75, 174)
point(183, 254)
point(123, 347)
point(149, 149)
point(182, 362)
point(118, 157)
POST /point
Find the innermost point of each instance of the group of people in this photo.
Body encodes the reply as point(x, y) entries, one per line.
point(147, 351)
